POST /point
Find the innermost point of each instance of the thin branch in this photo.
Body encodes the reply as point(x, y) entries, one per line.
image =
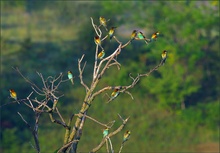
point(28, 98)
point(110, 135)
point(58, 112)
point(95, 63)
point(95, 28)
point(107, 149)
point(102, 124)
point(81, 72)
point(67, 145)
point(27, 80)
point(127, 92)
point(112, 150)
point(108, 59)
point(33, 131)
point(121, 148)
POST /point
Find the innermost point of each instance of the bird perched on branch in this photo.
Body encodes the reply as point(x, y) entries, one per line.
point(102, 21)
point(105, 132)
point(126, 136)
point(140, 36)
point(70, 76)
point(97, 40)
point(114, 94)
point(154, 36)
point(111, 32)
point(164, 57)
point(101, 54)
point(133, 35)
point(13, 94)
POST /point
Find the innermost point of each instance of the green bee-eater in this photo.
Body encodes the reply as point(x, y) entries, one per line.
point(133, 35)
point(126, 136)
point(101, 54)
point(102, 21)
point(154, 36)
point(111, 32)
point(70, 76)
point(13, 94)
point(105, 132)
point(164, 57)
point(141, 36)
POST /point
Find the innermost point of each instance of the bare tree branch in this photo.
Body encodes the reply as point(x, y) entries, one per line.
point(81, 72)
point(108, 125)
point(33, 131)
point(109, 135)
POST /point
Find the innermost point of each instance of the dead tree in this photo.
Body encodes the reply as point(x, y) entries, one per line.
point(50, 86)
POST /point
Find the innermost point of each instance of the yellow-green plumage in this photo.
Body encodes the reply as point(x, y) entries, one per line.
point(13, 94)
point(101, 55)
point(97, 40)
point(111, 32)
point(102, 21)
point(164, 57)
point(70, 76)
point(133, 35)
point(105, 132)
point(154, 36)
point(126, 136)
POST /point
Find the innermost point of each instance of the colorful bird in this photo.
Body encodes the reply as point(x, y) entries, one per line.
point(111, 32)
point(97, 40)
point(114, 94)
point(164, 57)
point(70, 76)
point(126, 136)
point(102, 21)
point(105, 132)
point(13, 94)
point(101, 54)
point(154, 36)
point(133, 35)
point(141, 36)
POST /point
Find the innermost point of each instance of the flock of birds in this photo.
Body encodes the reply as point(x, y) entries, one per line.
point(135, 35)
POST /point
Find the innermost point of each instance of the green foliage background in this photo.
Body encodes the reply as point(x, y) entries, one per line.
point(50, 36)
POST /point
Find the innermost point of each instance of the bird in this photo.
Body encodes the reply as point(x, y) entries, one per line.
point(126, 136)
point(114, 94)
point(101, 54)
point(133, 35)
point(111, 32)
point(164, 57)
point(154, 36)
point(105, 132)
point(141, 36)
point(13, 94)
point(70, 76)
point(97, 40)
point(102, 21)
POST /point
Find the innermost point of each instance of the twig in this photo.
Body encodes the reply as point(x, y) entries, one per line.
point(110, 135)
point(105, 125)
point(121, 148)
point(27, 80)
point(112, 150)
point(67, 145)
point(28, 98)
point(81, 72)
point(107, 146)
point(33, 131)
point(127, 92)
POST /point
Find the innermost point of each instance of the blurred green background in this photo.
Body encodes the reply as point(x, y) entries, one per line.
point(176, 109)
